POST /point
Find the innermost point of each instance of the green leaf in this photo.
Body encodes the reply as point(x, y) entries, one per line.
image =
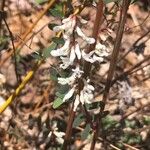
point(53, 74)
point(78, 120)
point(109, 1)
point(40, 1)
point(85, 132)
point(58, 40)
point(108, 122)
point(130, 124)
point(46, 51)
point(63, 89)
point(56, 13)
point(57, 102)
point(52, 25)
point(36, 55)
point(60, 95)
point(147, 120)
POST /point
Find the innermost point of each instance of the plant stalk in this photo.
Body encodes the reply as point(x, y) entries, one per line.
point(113, 62)
point(68, 130)
point(97, 23)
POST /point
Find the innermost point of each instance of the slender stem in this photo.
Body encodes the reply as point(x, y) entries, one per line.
point(97, 23)
point(113, 63)
point(14, 50)
point(116, 48)
point(68, 130)
point(131, 70)
point(87, 66)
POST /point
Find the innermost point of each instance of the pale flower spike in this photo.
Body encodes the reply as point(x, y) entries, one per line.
point(96, 55)
point(71, 54)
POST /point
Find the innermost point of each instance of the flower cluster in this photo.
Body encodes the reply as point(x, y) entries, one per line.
point(71, 55)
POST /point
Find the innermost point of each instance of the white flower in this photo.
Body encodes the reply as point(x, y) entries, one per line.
point(88, 57)
point(65, 62)
point(69, 94)
point(59, 135)
point(63, 51)
point(84, 37)
point(66, 54)
point(101, 50)
point(98, 54)
point(86, 95)
point(68, 25)
point(76, 102)
point(77, 73)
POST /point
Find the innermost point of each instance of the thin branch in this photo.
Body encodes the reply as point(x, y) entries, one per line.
point(113, 62)
point(116, 48)
point(14, 50)
point(134, 45)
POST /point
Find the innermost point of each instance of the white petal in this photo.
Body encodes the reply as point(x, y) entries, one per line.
point(88, 57)
point(72, 54)
point(82, 35)
point(63, 51)
point(65, 62)
point(90, 87)
point(59, 28)
point(63, 81)
point(59, 134)
point(60, 140)
point(69, 94)
point(83, 21)
point(77, 51)
point(97, 58)
point(82, 97)
point(76, 103)
point(90, 40)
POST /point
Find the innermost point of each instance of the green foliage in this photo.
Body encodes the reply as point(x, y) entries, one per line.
point(3, 42)
point(57, 11)
point(58, 40)
point(86, 132)
point(146, 120)
point(52, 25)
point(131, 138)
point(78, 120)
point(53, 74)
point(57, 102)
point(40, 1)
point(108, 122)
point(130, 124)
point(61, 92)
point(109, 1)
point(46, 51)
